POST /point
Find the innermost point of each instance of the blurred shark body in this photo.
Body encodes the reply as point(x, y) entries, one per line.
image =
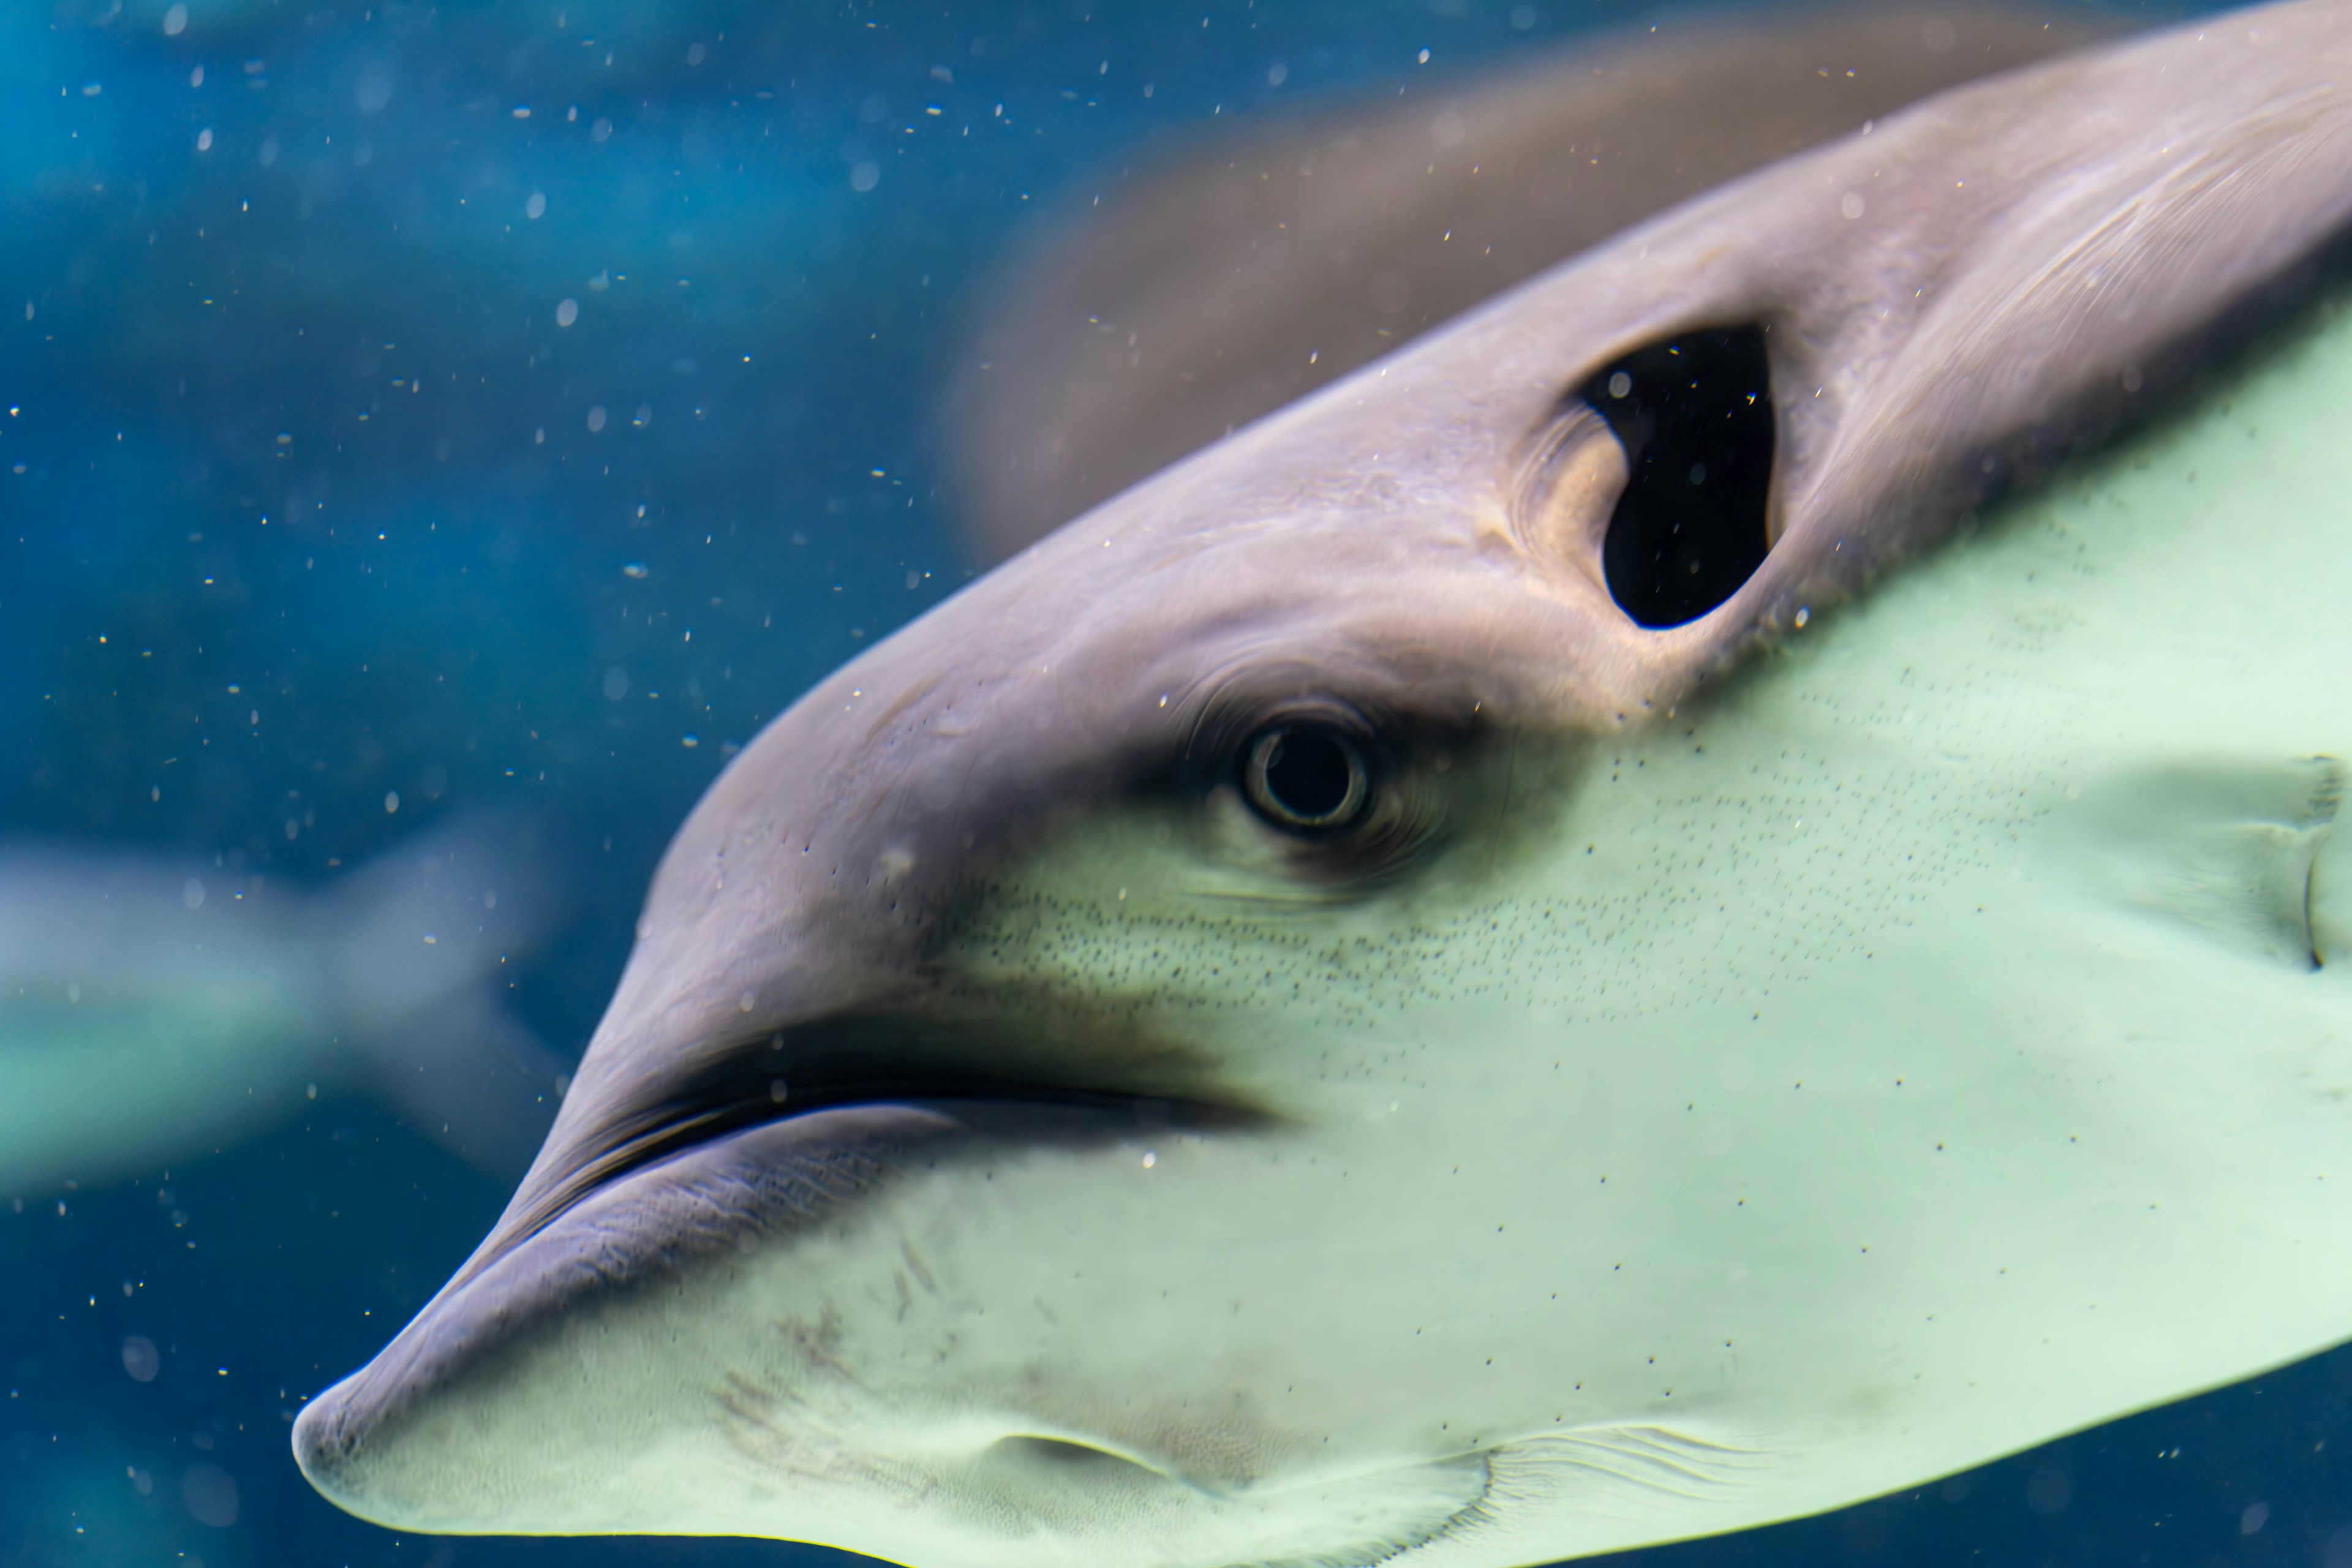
point(1168, 307)
point(151, 1009)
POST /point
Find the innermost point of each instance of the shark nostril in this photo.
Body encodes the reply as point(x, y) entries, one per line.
point(1061, 1462)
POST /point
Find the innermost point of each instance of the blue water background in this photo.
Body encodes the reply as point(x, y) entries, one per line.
point(308, 501)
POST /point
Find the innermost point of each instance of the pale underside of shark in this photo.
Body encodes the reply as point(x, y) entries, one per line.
point(1324, 1013)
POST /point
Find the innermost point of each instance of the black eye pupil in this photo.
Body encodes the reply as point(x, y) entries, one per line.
point(1305, 775)
point(1308, 773)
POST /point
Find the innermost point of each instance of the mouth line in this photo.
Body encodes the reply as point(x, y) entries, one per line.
point(872, 1060)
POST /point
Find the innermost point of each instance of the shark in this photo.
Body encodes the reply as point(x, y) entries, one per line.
point(1716, 891)
point(154, 1008)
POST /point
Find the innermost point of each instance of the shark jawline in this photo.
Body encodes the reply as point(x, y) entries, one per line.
point(971, 1070)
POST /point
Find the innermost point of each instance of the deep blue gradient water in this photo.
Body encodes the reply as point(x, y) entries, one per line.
point(405, 410)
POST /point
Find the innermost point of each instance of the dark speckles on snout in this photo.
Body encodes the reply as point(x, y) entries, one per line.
point(1659, 911)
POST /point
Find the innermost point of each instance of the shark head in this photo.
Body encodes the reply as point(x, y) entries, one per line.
point(1496, 967)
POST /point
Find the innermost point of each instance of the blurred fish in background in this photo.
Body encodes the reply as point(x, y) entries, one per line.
point(149, 1010)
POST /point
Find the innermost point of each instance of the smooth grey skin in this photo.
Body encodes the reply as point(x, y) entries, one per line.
point(1181, 302)
point(150, 1010)
point(1694, 1097)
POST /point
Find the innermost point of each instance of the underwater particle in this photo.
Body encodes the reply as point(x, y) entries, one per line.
point(690, 741)
point(142, 1482)
point(391, 801)
point(1523, 17)
point(616, 683)
point(210, 1494)
point(2256, 1515)
point(1277, 73)
point(636, 570)
point(567, 310)
point(596, 417)
point(537, 206)
point(175, 21)
point(191, 893)
point(205, 140)
point(371, 89)
point(602, 131)
point(1853, 205)
point(777, 1091)
point(865, 174)
point(2050, 1489)
point(696, 54)
point(140, 1359)
point(269, 153)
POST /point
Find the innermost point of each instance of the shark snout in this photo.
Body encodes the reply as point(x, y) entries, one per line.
point(357, 1444)
point(323, 1443)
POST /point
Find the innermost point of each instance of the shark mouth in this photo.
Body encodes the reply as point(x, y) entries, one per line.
point(1026, 1080)
point(764, 1140)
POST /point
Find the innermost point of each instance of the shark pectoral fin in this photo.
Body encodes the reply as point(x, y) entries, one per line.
point(2232, 851)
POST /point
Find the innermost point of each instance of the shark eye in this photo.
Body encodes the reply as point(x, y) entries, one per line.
point(1306, 778)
